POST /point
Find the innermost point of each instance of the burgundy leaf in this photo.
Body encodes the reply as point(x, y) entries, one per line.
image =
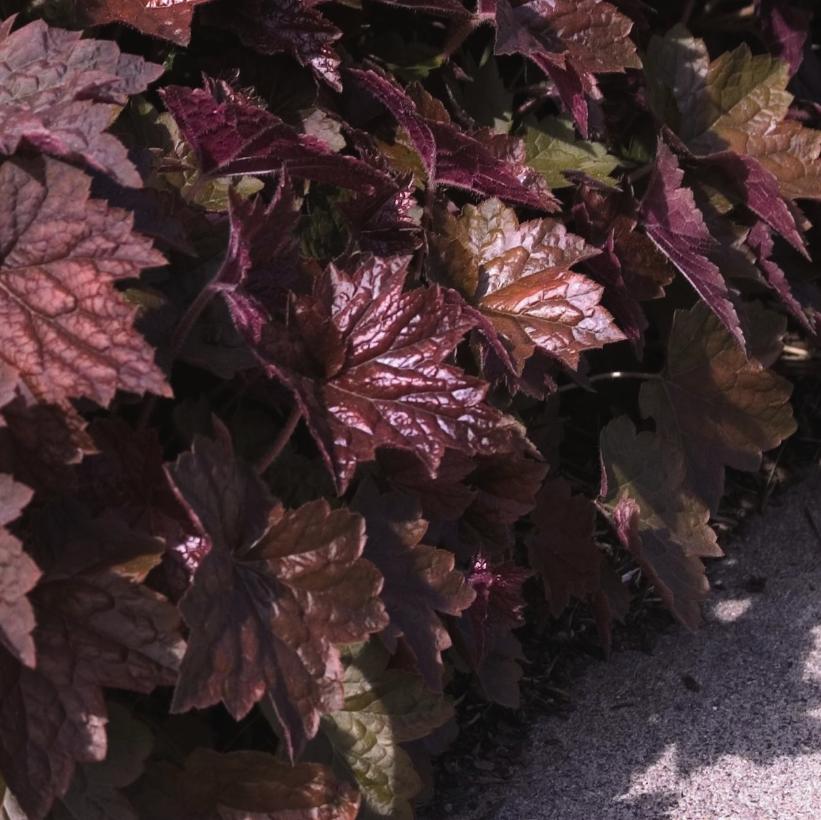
point(403, 109)
point(444, 8)
point(384, 222)
point(66, 331)
point(96, 790)
point(167, 19)
point(445, 497)
point(714, 404)
point(761, 243)
point(59, 94)
point(365, 361)
point(420, 581)
point(473, 162)
point(18, 575)
point(484, 631)
point(271, 598)
point(598, 214)
point(505, 486)
point(292, 27)
point(678, 578)
point(657, 517)
point(97, 625)
point(606, 269)
point(671, 219)
point(262, 261)
point(570, 41)
point(786, 27)
point(125, 476)
point(758, 189)
point(478, 162)
point(562, 548)
point(232, 136)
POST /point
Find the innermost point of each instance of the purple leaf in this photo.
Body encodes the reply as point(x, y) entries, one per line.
point(231, 136)
point(483, 163)
point(786, 28)
point(761, 243)
point(271, 598)
point(167, 19)
point(671, 219)
point(59, 94)
point(292, 27)
point(365, 361)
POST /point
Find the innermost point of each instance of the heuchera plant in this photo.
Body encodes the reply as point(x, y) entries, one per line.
point(314, 319)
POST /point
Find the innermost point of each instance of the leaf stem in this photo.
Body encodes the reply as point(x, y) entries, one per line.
point(189, 318)
point(615, 375)
point(270, 455)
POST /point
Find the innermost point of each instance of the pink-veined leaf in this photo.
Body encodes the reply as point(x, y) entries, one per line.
point(366, 362)
point(65, 330)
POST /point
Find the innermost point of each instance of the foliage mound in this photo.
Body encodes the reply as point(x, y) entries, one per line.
point(333, 333)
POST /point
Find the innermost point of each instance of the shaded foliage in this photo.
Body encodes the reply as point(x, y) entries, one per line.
point(310, 375)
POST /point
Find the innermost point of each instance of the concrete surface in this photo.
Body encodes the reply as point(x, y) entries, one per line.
point(718, 725)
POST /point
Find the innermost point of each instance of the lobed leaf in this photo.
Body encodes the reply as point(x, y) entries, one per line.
point(658, 519)
point(59, 94)
point(382, 708)
point(272, 596)
point(232, 136)
point(247, 784)
point(555, 152)
point(562, 548)
point(672, 220)
point(97, 625)
point(420, 581)
point(66, 331)
point(365, 361)
point(158, 18)
point(18, 575)
point(519, 277)
point(714, 404)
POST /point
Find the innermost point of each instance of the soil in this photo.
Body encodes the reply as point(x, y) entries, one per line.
point(492, 741)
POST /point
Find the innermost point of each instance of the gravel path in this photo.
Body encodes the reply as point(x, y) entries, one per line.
point(718, 725)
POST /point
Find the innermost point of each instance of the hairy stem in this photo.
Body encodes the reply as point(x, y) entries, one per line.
point(270, 455)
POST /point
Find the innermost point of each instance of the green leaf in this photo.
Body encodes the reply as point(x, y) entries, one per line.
point(553, 148)
point(175, 166)
point(383, 708)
